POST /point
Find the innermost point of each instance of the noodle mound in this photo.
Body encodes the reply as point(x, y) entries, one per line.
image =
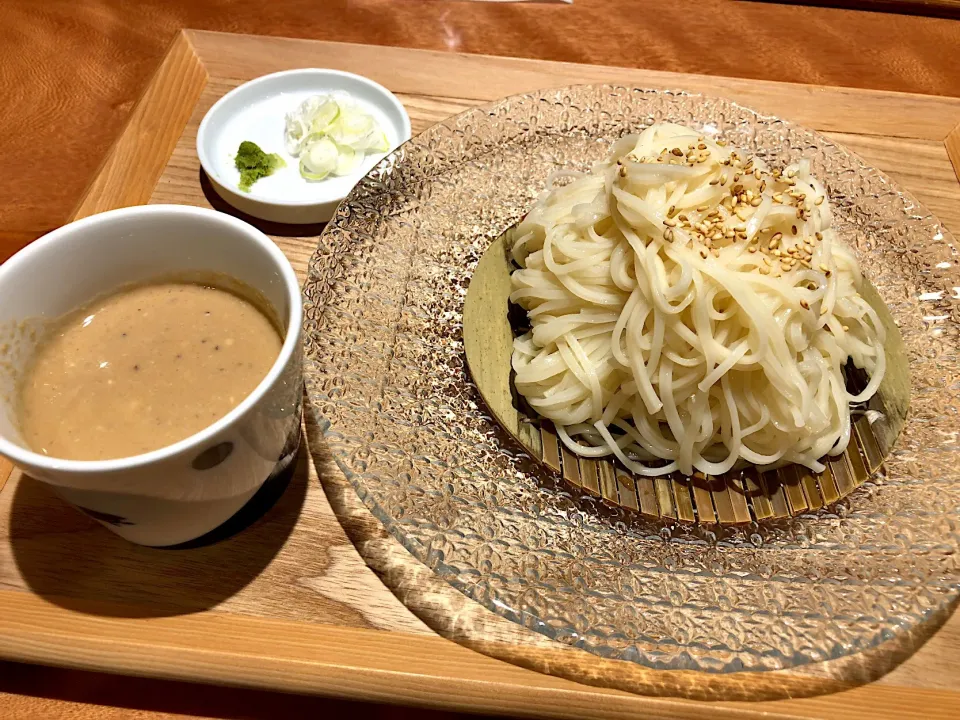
point(692, 306)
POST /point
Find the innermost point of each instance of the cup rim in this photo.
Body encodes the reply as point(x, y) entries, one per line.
point(25, 457)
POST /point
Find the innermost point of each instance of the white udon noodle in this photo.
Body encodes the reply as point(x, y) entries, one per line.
point(681, 349)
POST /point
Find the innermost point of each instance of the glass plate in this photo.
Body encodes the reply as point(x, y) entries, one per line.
point(388, 385)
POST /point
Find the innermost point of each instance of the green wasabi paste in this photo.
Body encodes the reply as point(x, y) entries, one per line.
point(253, 164)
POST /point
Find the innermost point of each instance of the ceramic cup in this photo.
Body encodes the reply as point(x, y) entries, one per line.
point(182, 491)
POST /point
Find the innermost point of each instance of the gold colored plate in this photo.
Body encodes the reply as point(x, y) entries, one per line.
point(735, 498)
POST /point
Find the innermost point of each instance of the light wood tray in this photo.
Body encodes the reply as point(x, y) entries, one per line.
point(289, 603)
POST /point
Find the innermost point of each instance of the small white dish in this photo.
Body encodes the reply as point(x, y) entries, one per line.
point(257, 110)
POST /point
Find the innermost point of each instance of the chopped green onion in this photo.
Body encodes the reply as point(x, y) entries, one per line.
point(319, 159)
point(331, 136)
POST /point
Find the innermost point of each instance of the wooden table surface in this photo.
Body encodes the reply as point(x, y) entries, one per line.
point(70, 72)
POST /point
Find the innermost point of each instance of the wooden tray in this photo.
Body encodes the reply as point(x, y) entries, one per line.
point(289, 603)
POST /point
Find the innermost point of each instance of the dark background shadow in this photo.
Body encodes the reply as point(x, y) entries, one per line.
point(74, 562)
point(143, 697)
point(929, 8)
point(265, 226)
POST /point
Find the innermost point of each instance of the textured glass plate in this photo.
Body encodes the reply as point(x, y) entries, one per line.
point(387, 383)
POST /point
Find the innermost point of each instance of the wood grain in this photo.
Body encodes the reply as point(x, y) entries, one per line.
point(485, 78)
point(952, 145)
point(364, 664)
point(71, 71)
point(29, 692)
point(140, 155)
point(292, 603)
point(6, 467)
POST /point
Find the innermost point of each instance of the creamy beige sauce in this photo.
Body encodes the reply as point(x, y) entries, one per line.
point(141, 369)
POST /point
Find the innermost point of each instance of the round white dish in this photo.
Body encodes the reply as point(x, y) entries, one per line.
point(182, 491)
point(256, 111)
